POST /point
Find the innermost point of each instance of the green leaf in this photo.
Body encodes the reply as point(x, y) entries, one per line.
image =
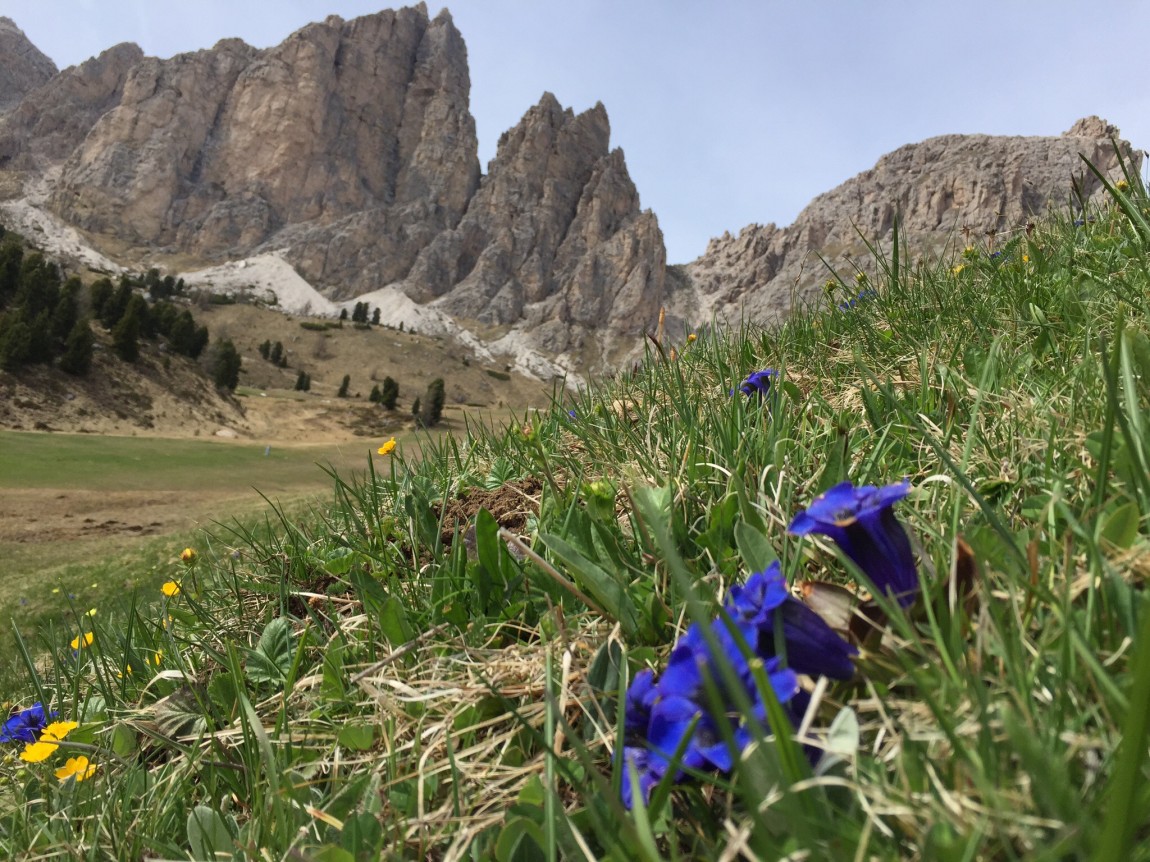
point(123, 740)
point(393, 622)
point(209, 836)
point(340, 561)
point(331, 853)
point(607, 591)
point(1121, 527)
point(363, 836)
point(357, 737)
point(272, 658)
point(754, 548)
point(521, 840)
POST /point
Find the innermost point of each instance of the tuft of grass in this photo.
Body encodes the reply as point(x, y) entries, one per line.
point(433, 666)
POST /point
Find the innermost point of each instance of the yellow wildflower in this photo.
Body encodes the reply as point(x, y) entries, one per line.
point(386, 448)
point(77, 767)
point(860, 278)
point(49, 740)
point(691, 338)
point(84, 640)
point(958, 269)
point(1122, 185)
point(1026, 258)
point(170, 588)
point(188, 555)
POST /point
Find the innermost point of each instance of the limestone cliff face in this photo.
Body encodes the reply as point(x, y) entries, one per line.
point(214, 152)
point(940, 188)
point(554, 237)
point(52, 120)
point(23, 67)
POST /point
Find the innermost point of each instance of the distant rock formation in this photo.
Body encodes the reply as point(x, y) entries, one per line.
point(350, 150)
point(940, 188)
point(23, 68)
point(53, 120)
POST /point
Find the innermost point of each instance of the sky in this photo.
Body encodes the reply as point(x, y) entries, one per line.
point(729, 112)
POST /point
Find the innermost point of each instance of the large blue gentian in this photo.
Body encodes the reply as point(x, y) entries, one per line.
point(25, 725)
point(764, 604)
point(862, 522)
point(759, 383)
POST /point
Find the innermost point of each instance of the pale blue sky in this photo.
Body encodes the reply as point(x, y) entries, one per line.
point(728, 112)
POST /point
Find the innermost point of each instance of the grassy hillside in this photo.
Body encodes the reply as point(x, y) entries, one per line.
point(454, 660)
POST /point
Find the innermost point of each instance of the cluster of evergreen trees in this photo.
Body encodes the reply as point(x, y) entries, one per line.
point(44, 318)
point(274, 353)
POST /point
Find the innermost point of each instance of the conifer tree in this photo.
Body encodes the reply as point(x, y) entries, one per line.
point(226, 365)
point(77, 356)
point(15, 341)
point(343, 386)
point(266, 349)
point(433, 401)
point(388, 393)
point(126, 335)
point(374, 396)
point(375, 317)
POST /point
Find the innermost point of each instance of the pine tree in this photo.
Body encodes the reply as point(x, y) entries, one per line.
point(266, 349)
point(301, 382)
point(182, 336)
point(15, 342)
point(375, 317)
point(374, 396)
point(277, 353)
point(388, 393)
point(307, 383)
point(433, 401)
point(226, 365)
point(77, 357)
point(199, 342)
point(126, 335)
point(116, 305)
point(343, 386)
point(66, 312)
point(99, 294)
point(415, 409)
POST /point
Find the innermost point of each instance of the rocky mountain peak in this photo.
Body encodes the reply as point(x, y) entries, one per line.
point(941, 189)
point(23, 67)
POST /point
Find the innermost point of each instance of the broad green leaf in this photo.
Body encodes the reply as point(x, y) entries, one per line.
point(609, 593)
point(1121, 527)
point(357, 737)
point(208, 835)
point(272, 658)
point(754, 548)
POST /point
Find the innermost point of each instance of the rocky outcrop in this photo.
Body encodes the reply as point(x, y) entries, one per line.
point(52, 120)
point(216, 151)
point(23, 67)
point(554, 240)
point(944, 190)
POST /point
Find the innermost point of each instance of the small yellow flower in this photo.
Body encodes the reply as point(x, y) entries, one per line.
point(170, 588)
point(84, 640)
point(91, 612)
point(127, 670)
point(860, 278)
point(1122, 185)
point(34, 752)
point(958, 269)
point(77, 767)
point(1026, 258)
point(156, 659)
point(386, 448)
point(59, 729)
point(188, 555)
point(692, 338)
point(970, 252)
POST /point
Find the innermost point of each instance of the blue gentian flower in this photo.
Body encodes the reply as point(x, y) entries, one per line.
point(862, 522)
point(759, 382)
point(812, 646)
point(25, 725)
point(660, 717)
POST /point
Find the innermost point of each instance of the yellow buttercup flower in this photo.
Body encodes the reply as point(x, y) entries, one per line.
point(958, 269)
point(188, 555)
point(691, 338)
point(49, 740)
point(84, 640)
point(386, 448)
point(170, 588)
point(1026, 258)
point(77, 767)
point(1122, 185)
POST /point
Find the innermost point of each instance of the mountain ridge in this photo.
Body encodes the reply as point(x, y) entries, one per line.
point(349, 150)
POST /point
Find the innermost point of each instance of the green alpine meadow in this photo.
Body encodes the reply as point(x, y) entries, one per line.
point(868, 585)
